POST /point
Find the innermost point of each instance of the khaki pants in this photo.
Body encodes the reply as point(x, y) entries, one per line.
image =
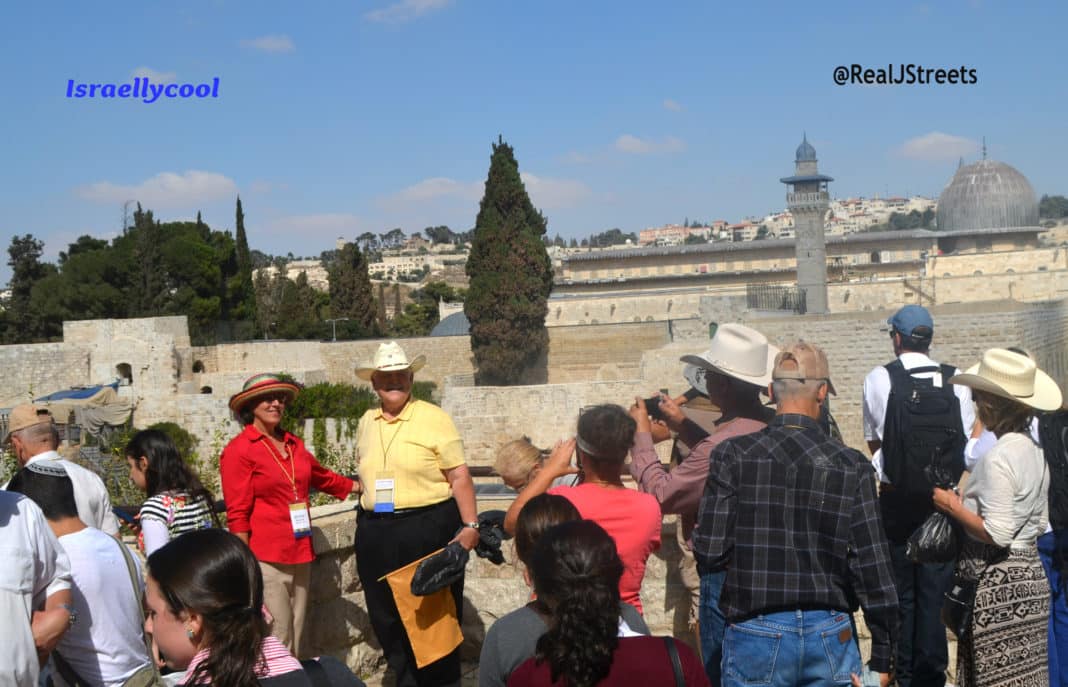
point(285, 593)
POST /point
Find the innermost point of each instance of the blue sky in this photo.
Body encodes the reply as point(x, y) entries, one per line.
point(338, 118)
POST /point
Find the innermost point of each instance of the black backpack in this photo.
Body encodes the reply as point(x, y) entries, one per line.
point(1053, 432)
point(923, 437)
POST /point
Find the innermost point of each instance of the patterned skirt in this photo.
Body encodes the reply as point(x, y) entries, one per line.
point(1007, 642)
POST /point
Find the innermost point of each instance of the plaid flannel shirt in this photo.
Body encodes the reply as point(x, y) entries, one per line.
point(793, 518)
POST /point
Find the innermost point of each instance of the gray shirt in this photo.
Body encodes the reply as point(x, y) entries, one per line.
point(1008, 489)
point(514, 638)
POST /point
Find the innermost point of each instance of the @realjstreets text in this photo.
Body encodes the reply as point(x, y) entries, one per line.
point(908, 74)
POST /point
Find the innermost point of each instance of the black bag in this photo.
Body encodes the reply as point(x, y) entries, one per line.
point(958, 606)
point(937, 540)
point(1053, 433)
point(922, 432)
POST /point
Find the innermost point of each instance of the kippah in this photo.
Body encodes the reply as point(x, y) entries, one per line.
point(52, 468)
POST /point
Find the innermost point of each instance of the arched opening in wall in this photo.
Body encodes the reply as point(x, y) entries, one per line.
point(1010, 271)
point(875, 257)
point(947, 274)
point(125, 374)
point(977, 273)
point(198, 366)
point(205, 389)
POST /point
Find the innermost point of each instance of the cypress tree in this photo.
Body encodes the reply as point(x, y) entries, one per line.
point(350, 290)
point(510, 279)
point(242, 295)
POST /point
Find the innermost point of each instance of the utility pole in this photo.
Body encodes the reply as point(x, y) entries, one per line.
point(333, 325)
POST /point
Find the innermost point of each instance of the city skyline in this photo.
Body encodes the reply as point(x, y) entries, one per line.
point(336, 120)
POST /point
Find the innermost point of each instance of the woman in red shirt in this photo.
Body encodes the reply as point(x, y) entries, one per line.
point(266, 475)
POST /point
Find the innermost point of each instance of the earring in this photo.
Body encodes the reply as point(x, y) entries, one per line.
point(189, 633)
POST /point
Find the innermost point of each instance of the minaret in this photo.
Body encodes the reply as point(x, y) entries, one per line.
point(808, 201)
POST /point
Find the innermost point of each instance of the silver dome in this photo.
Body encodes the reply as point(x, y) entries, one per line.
point(987, 195)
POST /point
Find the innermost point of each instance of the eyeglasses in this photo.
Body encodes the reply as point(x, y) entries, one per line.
point(277, 396)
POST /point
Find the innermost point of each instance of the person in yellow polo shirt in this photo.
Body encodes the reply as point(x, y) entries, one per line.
point(418, 496)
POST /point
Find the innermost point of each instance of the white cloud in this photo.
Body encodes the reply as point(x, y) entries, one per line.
point(326, 225)
point(551, 194)
point(406, 10)
point(645, 146)
point(278, 44)
point(154, 76)
point(937, 146)
point(672, 105)
point(438, 187)
point(165, 190)
point(574, 157)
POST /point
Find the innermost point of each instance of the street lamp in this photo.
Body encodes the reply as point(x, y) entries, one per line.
point(333, 325)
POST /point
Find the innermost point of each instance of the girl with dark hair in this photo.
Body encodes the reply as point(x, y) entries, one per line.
point(605, 435)
point(204, 594)
point(513, 638)
point(576, 573)
point(177, 502)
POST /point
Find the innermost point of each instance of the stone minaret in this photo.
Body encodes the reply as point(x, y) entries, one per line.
point(808, 201)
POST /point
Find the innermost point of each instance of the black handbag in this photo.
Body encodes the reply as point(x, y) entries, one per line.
point(959, 605)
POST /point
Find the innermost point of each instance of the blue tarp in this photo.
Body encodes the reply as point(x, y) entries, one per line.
point(76, 394)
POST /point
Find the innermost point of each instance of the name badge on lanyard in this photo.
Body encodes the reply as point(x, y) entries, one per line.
point(384, 485)
point(300, 518)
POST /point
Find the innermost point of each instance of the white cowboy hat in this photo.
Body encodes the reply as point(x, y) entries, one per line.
point(390, 357)
point(1011, 375)
point(739, 352)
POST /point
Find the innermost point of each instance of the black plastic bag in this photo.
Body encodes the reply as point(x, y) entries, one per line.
point(935, 541)
point(444, 568)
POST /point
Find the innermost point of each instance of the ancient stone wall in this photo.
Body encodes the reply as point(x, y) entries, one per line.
point(32, 370)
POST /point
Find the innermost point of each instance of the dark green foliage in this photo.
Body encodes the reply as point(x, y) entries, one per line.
point(1053, 207)
point(185, 442)
point(22, 321)
point(341, 401)
point(510, 279)
point(420, 316)
point(440, 234)
point(612, 237)
point(241, 295)
point(350, 293)
point(915, 219)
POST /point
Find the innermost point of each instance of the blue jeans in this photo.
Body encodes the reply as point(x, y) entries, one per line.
point(791, 648)
point(711, 622)
point(1049, 546)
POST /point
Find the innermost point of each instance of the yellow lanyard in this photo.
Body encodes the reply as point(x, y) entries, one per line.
point(291, 477)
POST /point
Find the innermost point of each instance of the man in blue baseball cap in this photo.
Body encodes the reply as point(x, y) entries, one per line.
point(932, 432)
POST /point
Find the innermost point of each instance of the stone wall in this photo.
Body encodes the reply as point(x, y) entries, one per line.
point(32, 370)
point(857, 342)
point(338, 624)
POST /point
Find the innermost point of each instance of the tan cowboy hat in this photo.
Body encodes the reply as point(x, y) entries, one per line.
point(1011, 375)
point(390, 357)
point(740, 352)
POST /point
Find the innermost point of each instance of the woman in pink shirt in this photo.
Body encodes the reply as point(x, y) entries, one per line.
point(605, 435)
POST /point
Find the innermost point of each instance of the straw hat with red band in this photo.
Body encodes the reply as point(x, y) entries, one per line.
point(262, 385)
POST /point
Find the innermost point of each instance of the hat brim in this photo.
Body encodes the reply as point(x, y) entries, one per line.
point(365, 373)
point(1046, 396)
point(761, 380)
point(242, 398)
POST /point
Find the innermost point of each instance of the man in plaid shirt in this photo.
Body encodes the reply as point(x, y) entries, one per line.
point(793, 518)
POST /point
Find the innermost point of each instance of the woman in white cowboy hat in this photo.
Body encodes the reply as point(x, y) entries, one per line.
point(1003, 512)
point(267, 474)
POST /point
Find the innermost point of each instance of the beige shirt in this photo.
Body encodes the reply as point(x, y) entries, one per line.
point(1008, 489)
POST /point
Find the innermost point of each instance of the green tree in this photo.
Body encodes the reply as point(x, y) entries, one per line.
point(1053, 207)
point(242, 298)
point(21, 322)
point(510, 279)
point(439, 234)
point(350, 292)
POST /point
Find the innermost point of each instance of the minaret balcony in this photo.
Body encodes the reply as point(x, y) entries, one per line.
point(815, 199)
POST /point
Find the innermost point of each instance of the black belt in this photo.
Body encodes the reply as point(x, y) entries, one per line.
point(399, 513)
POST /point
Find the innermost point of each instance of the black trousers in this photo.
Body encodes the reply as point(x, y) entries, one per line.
point(922, 651)
point(385, 543)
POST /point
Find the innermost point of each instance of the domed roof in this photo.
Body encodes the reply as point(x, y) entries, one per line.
point(455, 324)
point(987, 195)
point(805, 151)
